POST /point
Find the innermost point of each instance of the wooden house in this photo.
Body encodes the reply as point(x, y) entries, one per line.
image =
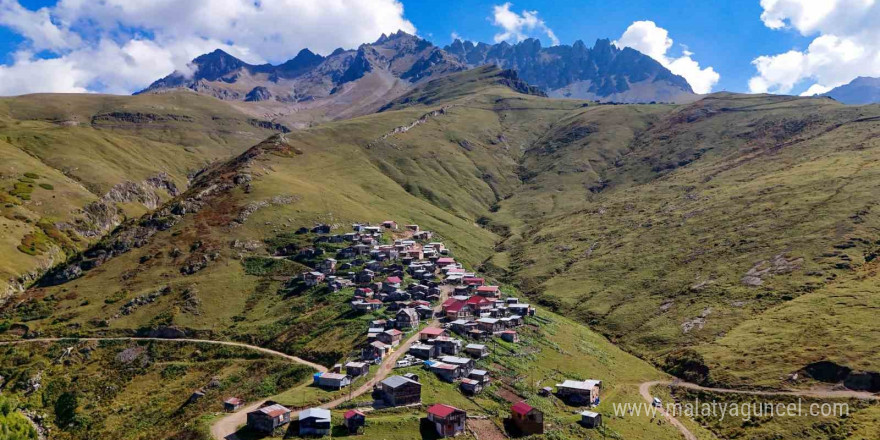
point(313, 278)
point(490, 325)
point(431, 333)
point(376, 350)
point(314, 421)
point(268, 418)
point(399, 390)
point(510, 336)
point(424, 351)
point(590, 419)
point(481, 376)
point(466, 364)
point(478, 351)
point(332, 381)
point(390, 337)
point(357, 369)
point(232, 404)
point(445, 372)
point(579, 391)
point(407, 318)
point(488, 291)
point(448, 420)
point(470, 386)
point(527, 419)
point(447, 345)
point(354, 420)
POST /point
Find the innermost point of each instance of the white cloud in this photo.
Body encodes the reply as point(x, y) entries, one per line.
point(36, 26)
point(847, 44)
point(518, 27)
point(815, 89)
point(652, 40)
point(120, 46)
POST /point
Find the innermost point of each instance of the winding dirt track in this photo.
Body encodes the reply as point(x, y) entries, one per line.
point(225, 428)
point(195, 341)
point(645, 391)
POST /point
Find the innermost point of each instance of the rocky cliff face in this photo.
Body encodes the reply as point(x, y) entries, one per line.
point(136, 233)
point(309, 76)
point(603, 72)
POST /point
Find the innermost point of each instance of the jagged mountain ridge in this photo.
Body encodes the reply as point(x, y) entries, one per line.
point(602, 73)
point(346, 83)
point(310, 76)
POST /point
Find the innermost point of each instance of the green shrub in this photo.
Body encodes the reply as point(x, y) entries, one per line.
point(47, 186)
point(116, 297)
point(32, 175)
point(13, 426)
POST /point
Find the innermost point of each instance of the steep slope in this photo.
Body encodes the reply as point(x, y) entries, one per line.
point(737, 218)
point(860, 91)
point(441, 166)
point(75, 166)
point(702, 225)
point(312, 88)
point(601, 73)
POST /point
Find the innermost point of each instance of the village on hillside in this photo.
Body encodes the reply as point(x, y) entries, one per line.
point(440, 319)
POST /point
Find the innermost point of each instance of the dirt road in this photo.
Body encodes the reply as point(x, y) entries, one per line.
point(645, 391)
point(388, 364)
point(196, 341)
point(224, 429)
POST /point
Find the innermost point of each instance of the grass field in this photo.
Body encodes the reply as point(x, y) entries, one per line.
point(737, 232)
point(137, 390)
point(79, 147)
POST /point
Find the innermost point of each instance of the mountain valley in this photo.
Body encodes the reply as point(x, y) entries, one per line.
point(730, 241)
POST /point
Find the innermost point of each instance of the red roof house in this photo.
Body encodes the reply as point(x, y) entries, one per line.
point(527, 419)
point(474, 281)
point(448, 420)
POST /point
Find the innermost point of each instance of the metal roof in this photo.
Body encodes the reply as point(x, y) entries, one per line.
point(396, 381)
point(318, 413)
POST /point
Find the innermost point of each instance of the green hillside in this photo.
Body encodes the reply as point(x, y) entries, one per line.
point(63, 154)
point(732, 241)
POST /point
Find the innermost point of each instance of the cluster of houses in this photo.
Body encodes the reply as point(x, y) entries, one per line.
point(474, 313)
point(405, 390)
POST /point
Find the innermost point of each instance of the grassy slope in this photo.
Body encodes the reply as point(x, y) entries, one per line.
point(82, 145)
point(635, 219)
point(144, 395)
point(337, 173)
point(693, 203)
point(554, 349)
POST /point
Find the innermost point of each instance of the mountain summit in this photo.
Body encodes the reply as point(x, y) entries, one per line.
point(862, 90)
point(603, 73)
point(311, 87)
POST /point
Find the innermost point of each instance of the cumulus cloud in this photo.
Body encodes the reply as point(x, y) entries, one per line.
point(120, 46)
point(518, 27)
point(652, 40)
point(846, 45)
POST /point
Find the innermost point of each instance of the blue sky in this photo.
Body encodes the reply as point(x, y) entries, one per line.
point(119, 46)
